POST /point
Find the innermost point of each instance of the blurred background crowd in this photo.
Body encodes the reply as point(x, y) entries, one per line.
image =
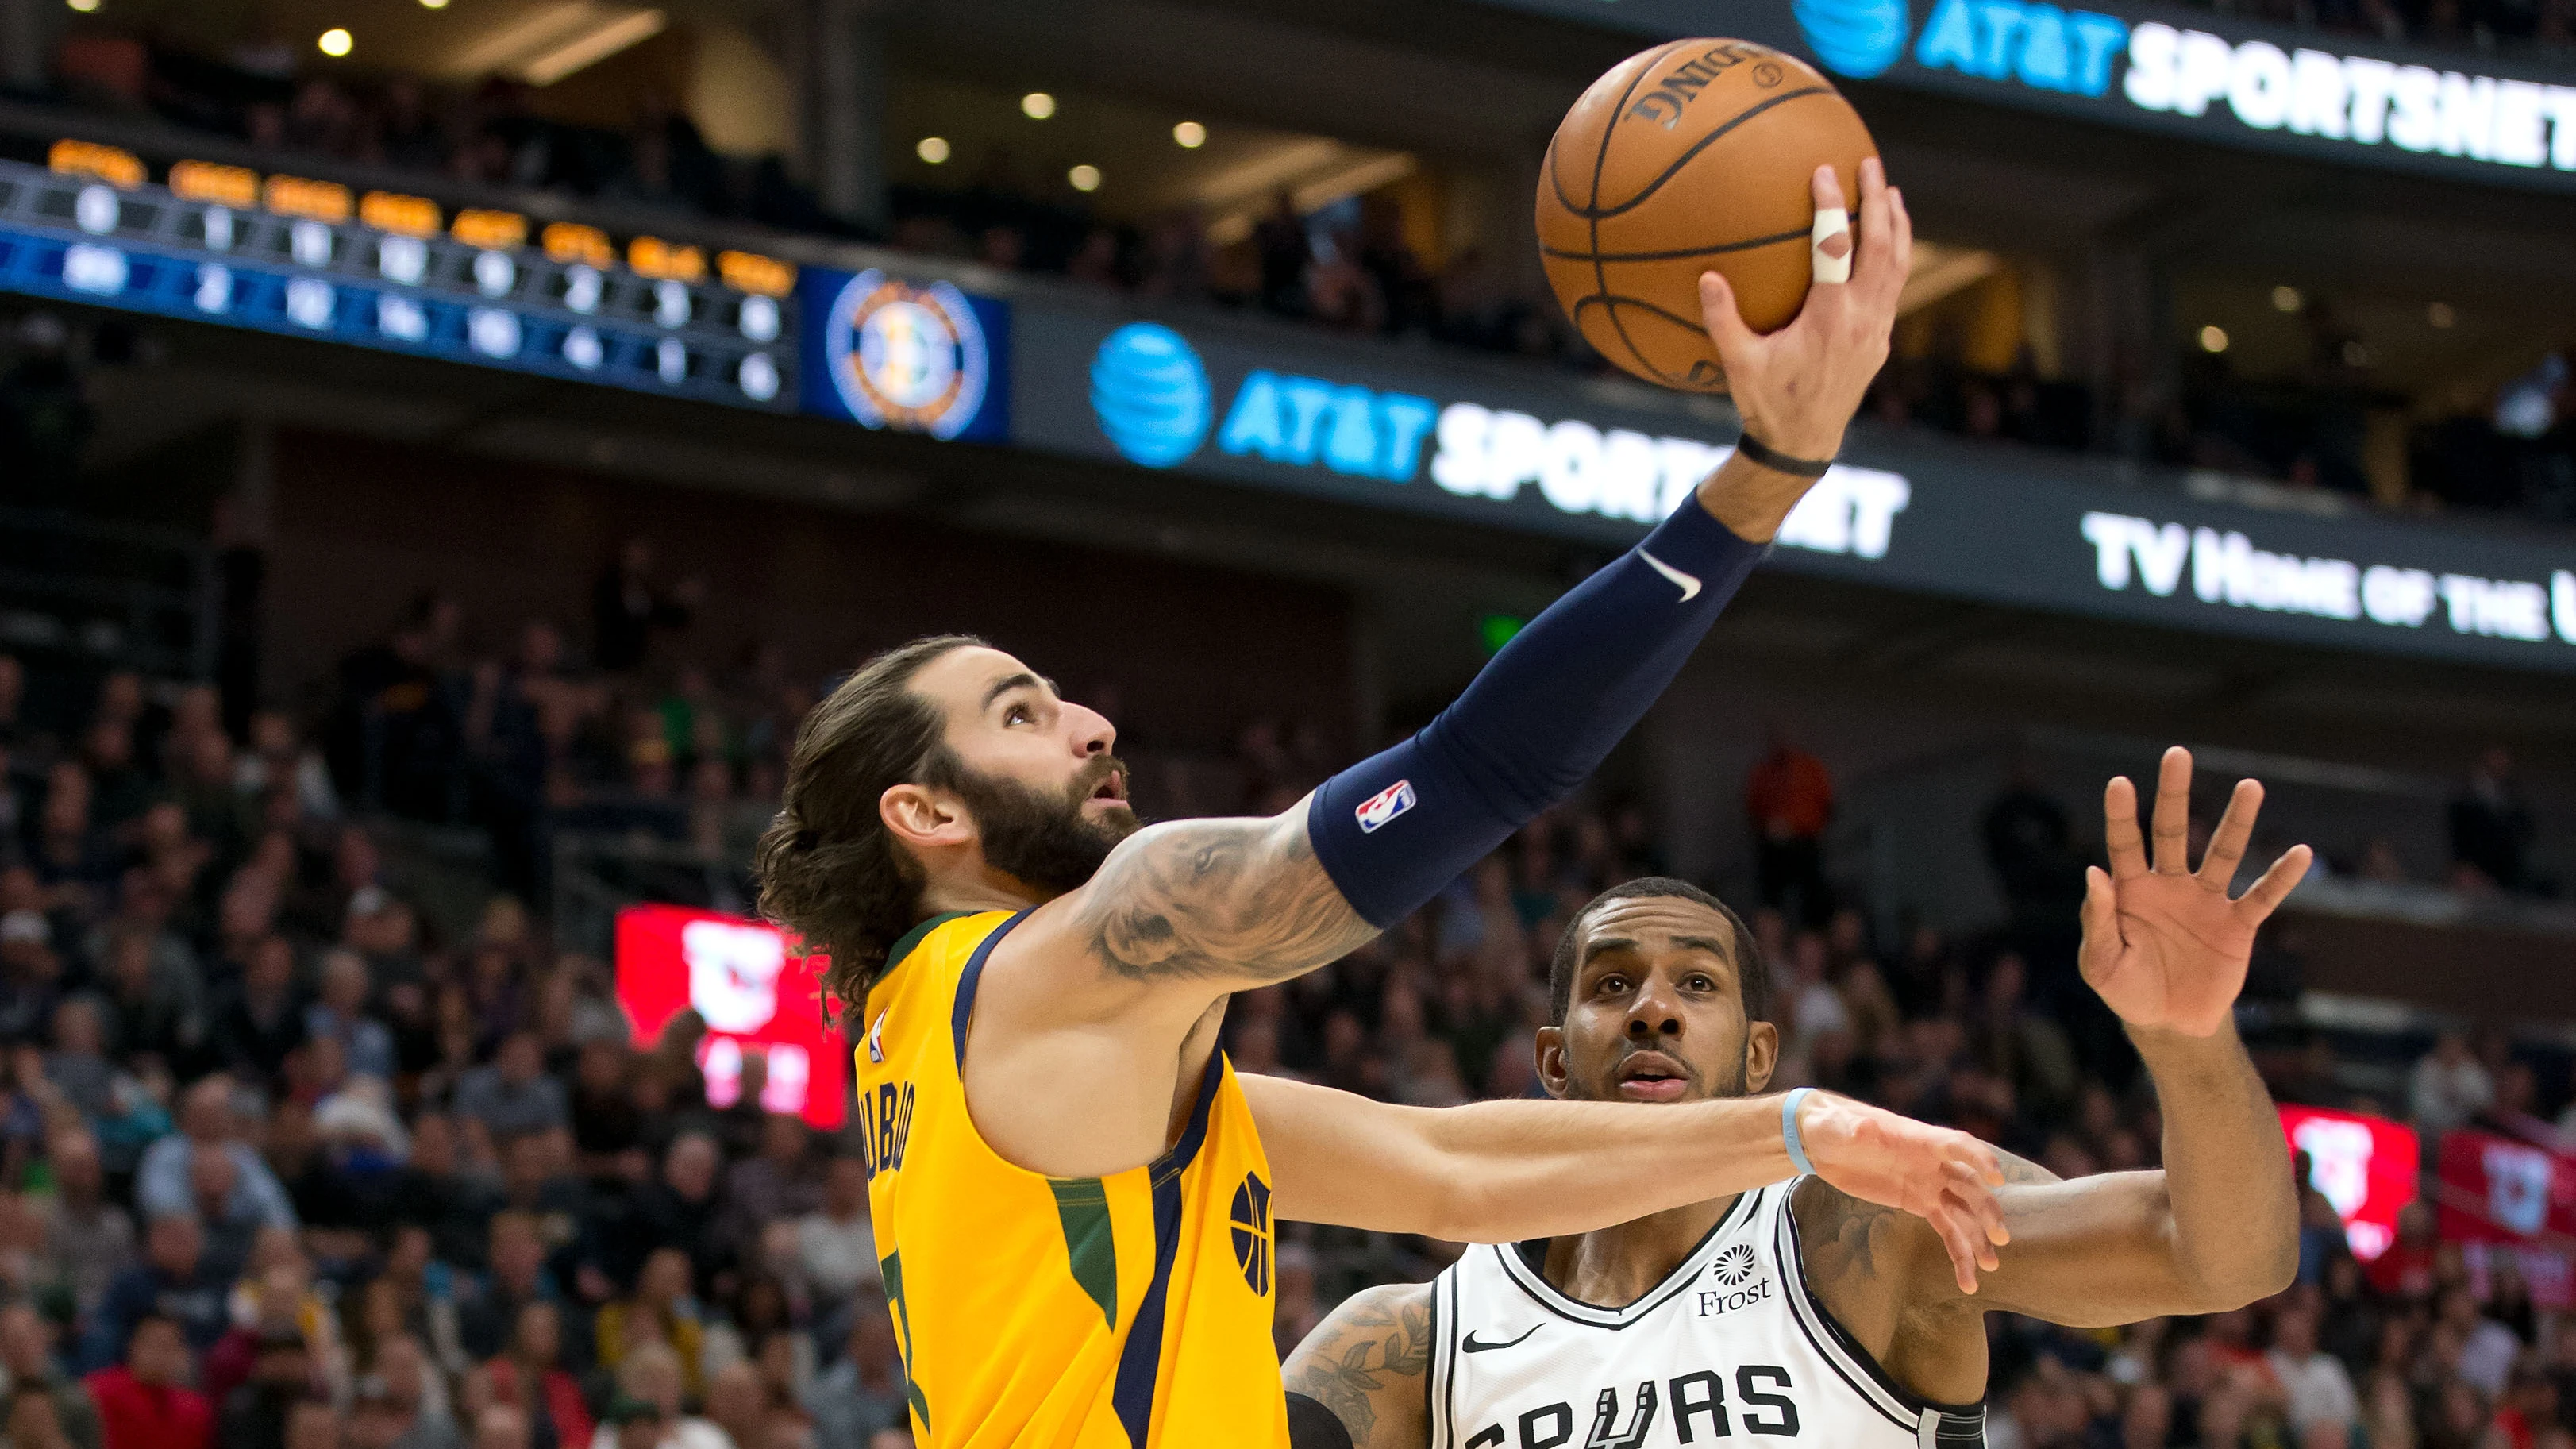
point(288, 1163)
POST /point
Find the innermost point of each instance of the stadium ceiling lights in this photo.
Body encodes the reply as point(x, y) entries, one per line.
point(555, 40)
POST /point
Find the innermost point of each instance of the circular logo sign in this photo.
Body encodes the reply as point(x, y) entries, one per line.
point(906, 357)
point(1857, 38)
point(1733, 1266)
point(1150, 393)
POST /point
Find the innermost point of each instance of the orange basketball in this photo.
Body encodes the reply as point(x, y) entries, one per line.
point(1688, 158)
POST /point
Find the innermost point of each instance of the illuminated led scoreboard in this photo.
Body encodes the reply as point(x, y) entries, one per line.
point(306, 258)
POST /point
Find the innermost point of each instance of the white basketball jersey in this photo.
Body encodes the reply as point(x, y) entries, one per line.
point(1730, 1348)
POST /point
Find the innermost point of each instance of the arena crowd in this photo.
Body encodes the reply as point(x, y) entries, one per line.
point(284, 1164)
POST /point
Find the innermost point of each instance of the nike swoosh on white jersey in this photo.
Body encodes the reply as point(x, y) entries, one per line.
point(1688, 585)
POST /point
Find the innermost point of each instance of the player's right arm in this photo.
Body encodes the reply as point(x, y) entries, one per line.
point(1104, 992)
point(1358, 1381)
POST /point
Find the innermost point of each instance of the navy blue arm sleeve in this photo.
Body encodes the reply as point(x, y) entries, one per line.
point(1396, 828)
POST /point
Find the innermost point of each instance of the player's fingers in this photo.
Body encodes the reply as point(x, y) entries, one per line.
point(2235, 828)
point(2173, 813)
point(1977, 1197)
point(1830, 241)
point(2120, 829)
point(2258, 904)
point(1877, 228)
point(1736, 343)
point(2101, 916)
point(1904, 235)
point(1960, 1241)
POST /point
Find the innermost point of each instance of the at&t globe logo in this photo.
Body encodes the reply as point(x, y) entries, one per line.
point(1857, 38)
point(1150, 392)
point(907, 357)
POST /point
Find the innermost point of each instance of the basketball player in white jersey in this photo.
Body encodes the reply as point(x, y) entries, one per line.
point(1795, 1311)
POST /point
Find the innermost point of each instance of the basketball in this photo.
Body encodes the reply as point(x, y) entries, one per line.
point(1691, 157)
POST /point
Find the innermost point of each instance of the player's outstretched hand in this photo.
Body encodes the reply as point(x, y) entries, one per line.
point(2164, 945)
point(1798, 387)
point(1945, 1177)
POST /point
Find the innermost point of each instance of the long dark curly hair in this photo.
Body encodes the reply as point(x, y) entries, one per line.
point(827, 869)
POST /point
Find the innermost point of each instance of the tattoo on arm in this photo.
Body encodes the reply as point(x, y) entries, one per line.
point(1369, 1343)
point(1230, 899)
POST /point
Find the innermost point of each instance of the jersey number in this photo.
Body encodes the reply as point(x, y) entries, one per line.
point(893, 1268)
point(1694, 1396)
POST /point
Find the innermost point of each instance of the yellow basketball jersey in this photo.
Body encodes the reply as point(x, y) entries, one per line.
point(1126, 1312)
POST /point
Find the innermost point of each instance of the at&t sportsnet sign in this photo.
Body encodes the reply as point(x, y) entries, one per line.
point(2183, 71)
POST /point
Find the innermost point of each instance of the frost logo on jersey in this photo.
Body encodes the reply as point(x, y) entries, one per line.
point(1733, 1274)
point(1733, 1266)
point(733, 973)
point(1385, 805)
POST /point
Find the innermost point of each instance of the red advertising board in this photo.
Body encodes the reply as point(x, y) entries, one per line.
point(755, 997)
point(2506, 1198)
point(2366, 1166)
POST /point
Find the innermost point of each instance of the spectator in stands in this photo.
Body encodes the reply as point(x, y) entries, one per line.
point(530, 1375)
point(260, 1021)
point(2315, 1386)
point(208, 1122)
point(255, 1415)
point(173, 1281)
point(27, 1353)
point(836, 1246)
point(660, 1311)
point(2492, 827)
point(514, 1096)
point(682, 1207)
point(863, 1393)
point(89, 1239)
point(2448, 1085)
point(1789, 799)
point(341, 1015)
point(628, 605)
point(145, 1402)
point(653, 1373)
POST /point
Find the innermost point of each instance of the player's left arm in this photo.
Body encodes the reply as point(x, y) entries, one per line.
point(2216, 1228)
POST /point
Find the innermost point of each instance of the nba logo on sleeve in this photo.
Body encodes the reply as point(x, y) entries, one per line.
point(1385, 805)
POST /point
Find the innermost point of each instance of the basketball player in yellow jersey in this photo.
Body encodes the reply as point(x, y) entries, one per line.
point(1073, 1191)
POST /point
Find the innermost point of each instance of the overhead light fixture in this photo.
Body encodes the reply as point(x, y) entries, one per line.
point(1037, 105)
point(433, 4)
point(933, 149)
point(1190, 134)
point(83, 6)
point(334, 42)
point(1085, 177)
point(553, 41)
point(2213, 339)
point(2440, 314)
point(2287, 299)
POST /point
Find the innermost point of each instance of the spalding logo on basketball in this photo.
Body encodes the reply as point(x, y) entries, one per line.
point(1857, 38)
point(906, 357)
point(1692, 157)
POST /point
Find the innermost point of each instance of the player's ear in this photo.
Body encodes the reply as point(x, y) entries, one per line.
point(923, 818)
point(1761, 1055)
point(1550, 1047)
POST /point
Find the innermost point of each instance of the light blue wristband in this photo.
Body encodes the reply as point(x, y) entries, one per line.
point(1789, 1131)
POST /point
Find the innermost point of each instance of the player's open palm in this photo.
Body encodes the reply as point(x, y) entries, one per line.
point(1939, 1174)
point(2163, 943)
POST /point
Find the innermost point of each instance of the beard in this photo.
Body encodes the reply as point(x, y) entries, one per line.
point(1042, 837)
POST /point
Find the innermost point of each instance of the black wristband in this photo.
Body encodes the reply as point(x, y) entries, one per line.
point(1779, 462)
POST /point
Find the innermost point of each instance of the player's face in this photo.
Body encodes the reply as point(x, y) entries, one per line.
point(1047, 797)
point(1656, 1013)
